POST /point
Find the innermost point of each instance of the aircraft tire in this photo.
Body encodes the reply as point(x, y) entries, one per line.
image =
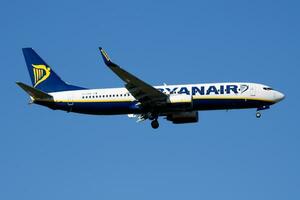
point(258, 115)
point(154, 124)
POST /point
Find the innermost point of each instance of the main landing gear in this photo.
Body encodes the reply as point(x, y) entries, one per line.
point(154, 120)
point(155, 124)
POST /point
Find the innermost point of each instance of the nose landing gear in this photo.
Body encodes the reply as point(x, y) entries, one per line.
point(258, 114)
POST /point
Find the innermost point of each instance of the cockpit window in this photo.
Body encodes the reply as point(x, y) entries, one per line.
point(267, 88)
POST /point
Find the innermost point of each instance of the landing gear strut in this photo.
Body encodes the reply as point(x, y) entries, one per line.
point(155, 124)
point(258, 114)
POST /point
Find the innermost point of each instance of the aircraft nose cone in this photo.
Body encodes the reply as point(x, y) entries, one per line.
point(279, 96)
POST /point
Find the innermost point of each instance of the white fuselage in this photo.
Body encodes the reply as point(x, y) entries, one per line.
point(212, 95)
point(254, 92)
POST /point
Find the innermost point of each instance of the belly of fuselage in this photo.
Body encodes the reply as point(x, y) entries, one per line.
point(118, 108)
point(226, 104)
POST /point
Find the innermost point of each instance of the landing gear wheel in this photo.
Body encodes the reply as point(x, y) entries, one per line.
point(155, 124)
point(258, 114)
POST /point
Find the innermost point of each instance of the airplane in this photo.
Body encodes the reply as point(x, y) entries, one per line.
point(179, 104)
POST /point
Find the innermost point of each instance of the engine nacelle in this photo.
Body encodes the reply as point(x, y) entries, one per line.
point(184, 117)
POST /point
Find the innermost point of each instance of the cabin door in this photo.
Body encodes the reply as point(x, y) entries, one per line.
point(70, 103)
point(253, 90)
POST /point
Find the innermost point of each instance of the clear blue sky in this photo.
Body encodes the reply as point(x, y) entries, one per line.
point(231, 155)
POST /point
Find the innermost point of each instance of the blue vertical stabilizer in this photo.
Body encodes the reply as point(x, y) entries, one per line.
point(41, 74)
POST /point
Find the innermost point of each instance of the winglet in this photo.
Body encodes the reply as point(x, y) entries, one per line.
point(105, 56)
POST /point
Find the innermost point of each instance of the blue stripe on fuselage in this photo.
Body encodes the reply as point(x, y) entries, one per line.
point(225, 104)
point(108, 108)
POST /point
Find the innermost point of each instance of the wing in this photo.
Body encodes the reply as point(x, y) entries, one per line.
point(147, 95)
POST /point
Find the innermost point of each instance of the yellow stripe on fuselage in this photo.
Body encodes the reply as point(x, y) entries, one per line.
point(194, 98)
point(231, 98)
point(93, 101)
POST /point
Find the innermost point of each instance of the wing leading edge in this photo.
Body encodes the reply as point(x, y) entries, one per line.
point(147, 95)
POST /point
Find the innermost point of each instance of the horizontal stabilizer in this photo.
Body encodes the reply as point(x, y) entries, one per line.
point(35, 93)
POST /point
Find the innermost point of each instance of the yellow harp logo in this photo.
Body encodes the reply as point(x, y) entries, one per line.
point(40, 73)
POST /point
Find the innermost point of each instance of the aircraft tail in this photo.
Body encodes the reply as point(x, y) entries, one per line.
point(42, 76)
